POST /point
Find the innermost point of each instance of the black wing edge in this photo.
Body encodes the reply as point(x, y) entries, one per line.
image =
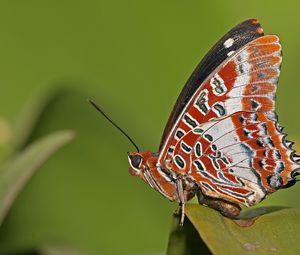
point(243, 33)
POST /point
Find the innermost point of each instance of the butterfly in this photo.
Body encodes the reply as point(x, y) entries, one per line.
point(222, 142)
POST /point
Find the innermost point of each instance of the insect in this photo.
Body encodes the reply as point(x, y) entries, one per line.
point(222, 142)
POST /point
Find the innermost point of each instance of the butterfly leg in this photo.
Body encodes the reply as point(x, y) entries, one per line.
point(182, 199)
point(227, 209)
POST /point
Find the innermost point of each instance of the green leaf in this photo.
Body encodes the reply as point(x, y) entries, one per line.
point(267, 230)
point(185, 240)
point(17, 171)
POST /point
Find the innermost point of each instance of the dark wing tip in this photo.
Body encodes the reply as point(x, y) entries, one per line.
point(252, 26)
point(257, 25)
point(242, 34)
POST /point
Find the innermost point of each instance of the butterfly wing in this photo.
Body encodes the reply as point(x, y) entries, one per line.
point(240, 35)
point(227, 138)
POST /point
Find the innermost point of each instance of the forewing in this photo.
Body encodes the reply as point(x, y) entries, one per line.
point(235, 39)
point(227, 138)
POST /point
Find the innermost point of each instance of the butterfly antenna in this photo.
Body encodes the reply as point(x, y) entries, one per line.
point(93, 103)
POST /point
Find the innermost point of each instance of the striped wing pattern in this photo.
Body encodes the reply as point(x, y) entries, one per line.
point(227, 138)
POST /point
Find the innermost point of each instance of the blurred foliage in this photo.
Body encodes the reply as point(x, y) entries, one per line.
point(133, 58)
point(53, 248)
point(17, 170)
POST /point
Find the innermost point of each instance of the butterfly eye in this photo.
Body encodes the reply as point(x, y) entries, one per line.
point(136, 161)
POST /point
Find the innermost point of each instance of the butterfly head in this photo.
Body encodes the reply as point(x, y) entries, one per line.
point(139, 162)
point(135, 160)
point(144, 165)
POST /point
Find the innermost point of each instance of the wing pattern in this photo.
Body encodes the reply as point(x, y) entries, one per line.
point(227, 138)
point(241, 34)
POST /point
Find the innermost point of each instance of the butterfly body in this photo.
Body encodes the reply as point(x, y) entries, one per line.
point(174, 186)
point(162, 177)
point(222, 140)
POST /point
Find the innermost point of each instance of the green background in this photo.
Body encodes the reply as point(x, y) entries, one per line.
point(133, 58)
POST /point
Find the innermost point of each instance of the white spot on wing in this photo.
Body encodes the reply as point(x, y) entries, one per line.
point(230, 53)
point(228, 43)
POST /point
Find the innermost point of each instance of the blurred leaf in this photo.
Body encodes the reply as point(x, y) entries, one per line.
point(273, 230)
point(59, 249)
point(51, 249)
point(30, 116)
point(15, 173)
point(5, 138)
